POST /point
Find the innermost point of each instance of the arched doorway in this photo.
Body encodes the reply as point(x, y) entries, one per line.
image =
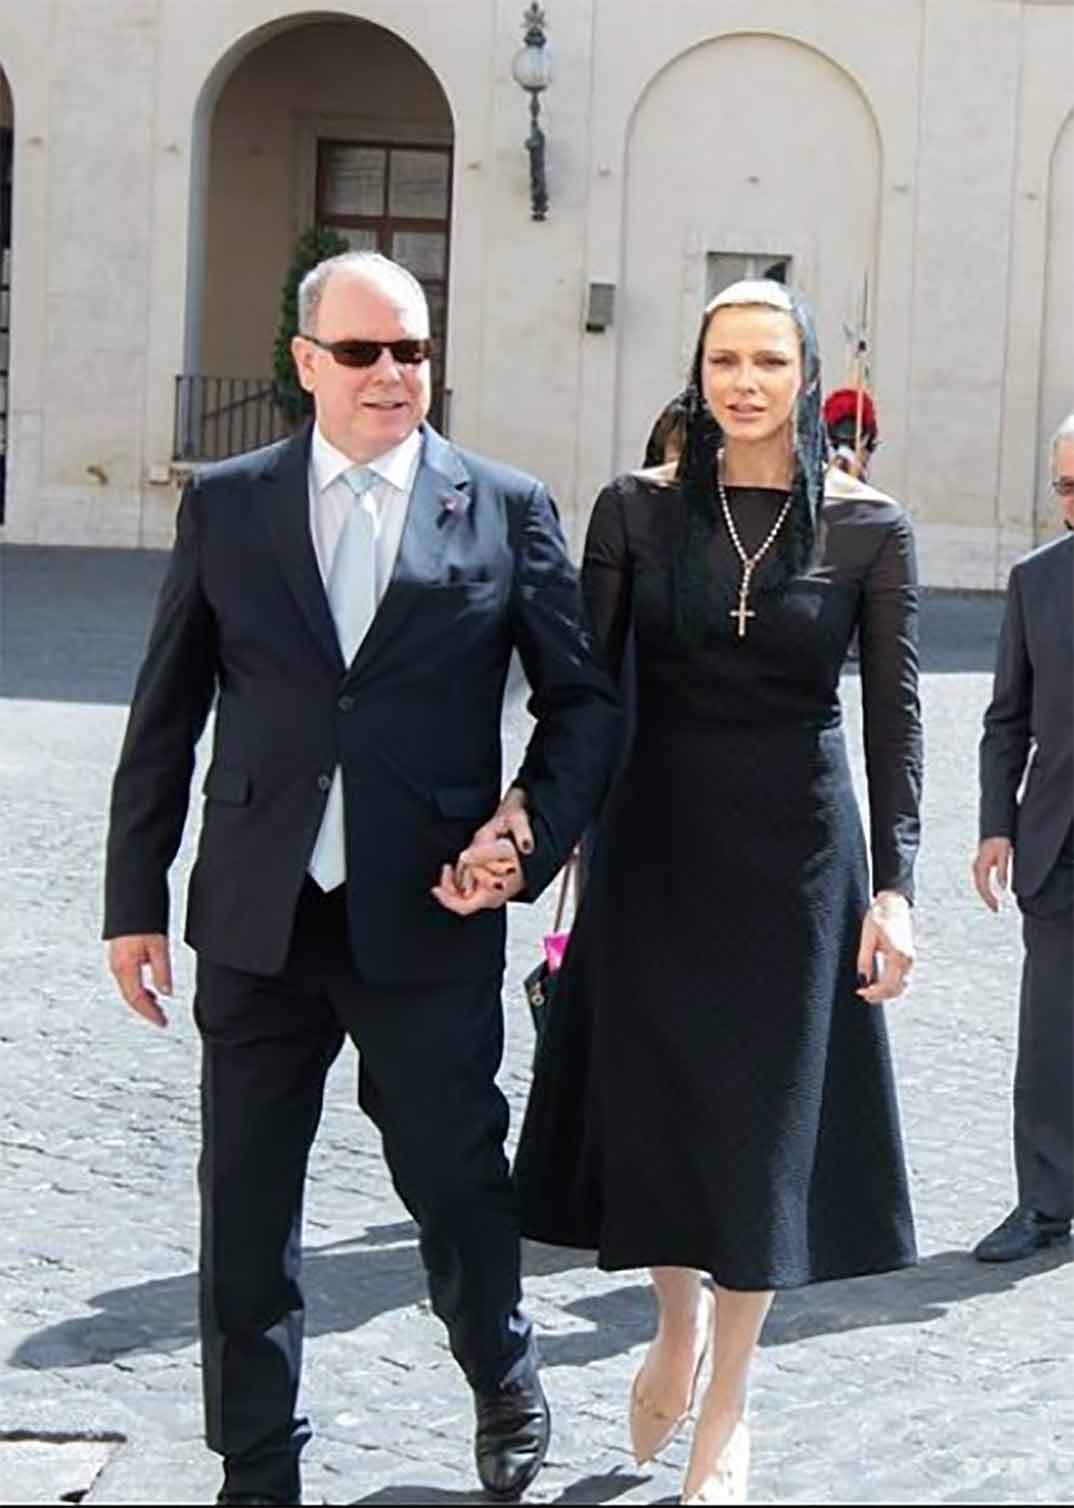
point(716, 191)
point(7, 158)
point(1056, 389)
point(333, 122)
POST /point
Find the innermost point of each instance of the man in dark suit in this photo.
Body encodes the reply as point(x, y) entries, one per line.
point(351, 598)
point(1031, 723)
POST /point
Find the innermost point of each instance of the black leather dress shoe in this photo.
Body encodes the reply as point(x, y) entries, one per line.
point(245, 1497)
point(513, 1426)
point(1022, 1233)
point(226, 1495)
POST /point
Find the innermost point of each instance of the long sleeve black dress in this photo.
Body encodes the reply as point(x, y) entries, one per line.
point(711, 1092)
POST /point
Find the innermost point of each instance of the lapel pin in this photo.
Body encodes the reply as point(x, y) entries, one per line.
point(451, 505)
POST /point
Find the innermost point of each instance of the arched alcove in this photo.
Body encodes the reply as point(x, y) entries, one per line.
point(7, 160)
point(1057, 346)
point(317, 119)
point(748, 153)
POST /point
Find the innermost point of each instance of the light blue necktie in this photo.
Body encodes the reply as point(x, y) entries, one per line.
point(352, 581)
point(352, 596)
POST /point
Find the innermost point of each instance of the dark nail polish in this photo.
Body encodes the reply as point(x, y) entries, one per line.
point(863, 979)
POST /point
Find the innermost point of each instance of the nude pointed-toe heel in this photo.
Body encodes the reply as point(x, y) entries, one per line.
point(652, 1430)
point(728, 1482)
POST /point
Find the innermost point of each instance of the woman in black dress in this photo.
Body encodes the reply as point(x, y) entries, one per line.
point(714, 1093)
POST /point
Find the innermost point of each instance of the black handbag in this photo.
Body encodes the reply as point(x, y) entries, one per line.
point(540, 983)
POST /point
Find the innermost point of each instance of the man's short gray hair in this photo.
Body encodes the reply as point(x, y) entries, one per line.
point(1064, 433)
point(368, 264)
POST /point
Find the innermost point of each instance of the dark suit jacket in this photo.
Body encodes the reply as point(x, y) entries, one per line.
point(1031, 718)
point(414, 721)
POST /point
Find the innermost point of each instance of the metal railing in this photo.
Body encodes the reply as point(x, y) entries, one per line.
point(217, 417)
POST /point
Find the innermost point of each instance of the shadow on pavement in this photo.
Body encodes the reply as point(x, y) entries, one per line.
point(73, 623)
point(349, 1284)
point(626, 1317)
point(959, 633)
point(915, 1296)
point(411, 1493)
point(602, 1488)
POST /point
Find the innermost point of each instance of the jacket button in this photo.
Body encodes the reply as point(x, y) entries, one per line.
point(324, 782)
point(346, 703)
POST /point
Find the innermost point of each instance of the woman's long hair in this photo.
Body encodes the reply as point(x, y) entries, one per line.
point(696, 593)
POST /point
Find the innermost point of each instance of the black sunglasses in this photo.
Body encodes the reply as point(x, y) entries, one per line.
point(366, 353)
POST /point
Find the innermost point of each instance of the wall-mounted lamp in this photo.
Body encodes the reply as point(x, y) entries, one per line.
point(532, 71)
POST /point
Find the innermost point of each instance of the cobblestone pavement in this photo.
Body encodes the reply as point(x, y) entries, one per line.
point(951, 1383)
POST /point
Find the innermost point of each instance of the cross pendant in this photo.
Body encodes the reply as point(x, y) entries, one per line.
point(742, 612)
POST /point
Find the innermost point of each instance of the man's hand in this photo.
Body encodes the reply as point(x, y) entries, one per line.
point(129, 958)
point(485, 877)
point(488, 874)
point(886, 953)
point(993, 859)
point(509, 820)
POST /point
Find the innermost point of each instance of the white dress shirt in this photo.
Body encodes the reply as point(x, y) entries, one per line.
point(331, 497)
point(330, 501)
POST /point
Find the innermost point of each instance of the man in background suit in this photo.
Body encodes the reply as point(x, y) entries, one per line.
point(351, 598)
point(1031, 720)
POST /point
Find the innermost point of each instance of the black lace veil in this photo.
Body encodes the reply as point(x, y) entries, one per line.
point(696, 593)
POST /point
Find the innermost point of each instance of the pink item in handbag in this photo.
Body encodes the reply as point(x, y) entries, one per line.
point(555, 945)
point(555, 942)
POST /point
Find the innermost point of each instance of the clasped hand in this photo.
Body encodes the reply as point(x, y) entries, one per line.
point(485, 876)
point(488, 873)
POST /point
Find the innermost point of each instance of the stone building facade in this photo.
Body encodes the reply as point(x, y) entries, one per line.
point(164, 155)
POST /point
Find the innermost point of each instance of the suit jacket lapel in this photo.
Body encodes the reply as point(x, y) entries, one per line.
point(1065, 587)
point(438, 505)
point(288, 511)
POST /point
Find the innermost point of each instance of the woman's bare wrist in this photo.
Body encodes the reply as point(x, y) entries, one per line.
point(891, 900)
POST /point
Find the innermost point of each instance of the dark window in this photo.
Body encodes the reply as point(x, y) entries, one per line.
point(724, 268)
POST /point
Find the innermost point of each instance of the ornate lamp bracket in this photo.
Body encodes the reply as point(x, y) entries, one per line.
point(532, 71)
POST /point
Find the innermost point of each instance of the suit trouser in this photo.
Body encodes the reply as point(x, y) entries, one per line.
point(1044, 1077)
point(428, 1060)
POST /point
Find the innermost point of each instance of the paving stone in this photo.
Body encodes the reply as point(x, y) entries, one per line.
point(47, 1471)
point(948, 1383)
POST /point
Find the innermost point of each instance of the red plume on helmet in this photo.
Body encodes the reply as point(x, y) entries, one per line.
point(842, 404)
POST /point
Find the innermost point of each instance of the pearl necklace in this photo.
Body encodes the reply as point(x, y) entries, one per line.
point(749, 562)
